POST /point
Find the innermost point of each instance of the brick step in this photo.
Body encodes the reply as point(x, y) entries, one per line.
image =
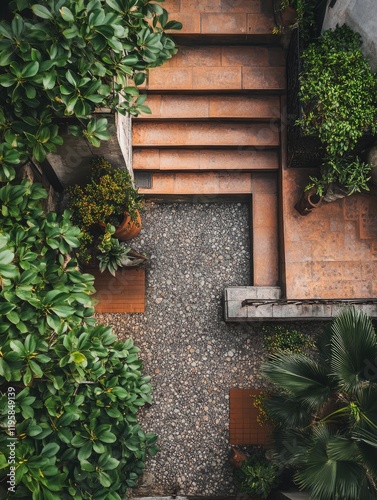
point(212, 106)
point(204, 159)
point(197, 134)
point(229, 68)
point(236, 17)
point(199, 184)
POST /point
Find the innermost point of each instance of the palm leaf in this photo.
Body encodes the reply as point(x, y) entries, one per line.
point(301, 376)
point(332, 467)
point(368, 452)
point(290, 446)
point(353, 346)
point(287, 411)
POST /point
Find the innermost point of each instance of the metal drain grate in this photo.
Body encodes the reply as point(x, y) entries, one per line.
point(143, 180)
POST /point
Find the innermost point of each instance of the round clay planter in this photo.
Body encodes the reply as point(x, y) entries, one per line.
point(309, 200)
point(237, 458)
point(128, 229)
point(285, 19)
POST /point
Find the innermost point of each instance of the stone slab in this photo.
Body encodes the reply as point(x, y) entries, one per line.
point(275, 311)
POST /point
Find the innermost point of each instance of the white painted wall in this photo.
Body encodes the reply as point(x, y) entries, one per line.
point(361, 16)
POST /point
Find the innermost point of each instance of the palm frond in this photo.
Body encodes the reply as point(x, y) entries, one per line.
point(332, 467)
point(353, 346)
point(368, 451)
point(287, 411)
point(290, 446)
point(301, 376)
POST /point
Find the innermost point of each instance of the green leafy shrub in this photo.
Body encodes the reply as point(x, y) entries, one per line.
point(351, 173)
point(76, 388)
point(305, 16)
point(339, 95)
point(338, 91)
point(65, 59)
point(104, 199)
point(257, 476)
point(279, 338)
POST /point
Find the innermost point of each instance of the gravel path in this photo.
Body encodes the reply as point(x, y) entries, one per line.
point(193, 356)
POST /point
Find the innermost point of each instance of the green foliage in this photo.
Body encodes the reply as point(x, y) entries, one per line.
point(339, 95)
point(65, 59)
point(351, 173)
point(257, 476)
point(338, 91)
point(108, 194)
point(113, 254)
point(325, 410)
point(279, 338)
point(305, 16)
point(77, 389)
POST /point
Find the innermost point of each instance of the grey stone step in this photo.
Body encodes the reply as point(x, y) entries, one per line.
point(270, 308)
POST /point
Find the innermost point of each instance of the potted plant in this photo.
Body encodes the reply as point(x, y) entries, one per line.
point(341, 178)
point(338, 91)
point(112, 254)
point(256, 475)
point(290, 14)
point(108, 198)
point(332, 103)
point(67, 59)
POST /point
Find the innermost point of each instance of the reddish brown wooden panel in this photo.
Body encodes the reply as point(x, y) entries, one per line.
point(123, 293)
point(244, 428)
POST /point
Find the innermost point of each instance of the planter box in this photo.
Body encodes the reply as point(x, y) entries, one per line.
point(305, 151)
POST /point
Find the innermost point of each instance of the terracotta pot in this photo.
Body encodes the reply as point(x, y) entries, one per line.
point(309, 200)
point(285, 19)
point(237, 458)
point(128, 229)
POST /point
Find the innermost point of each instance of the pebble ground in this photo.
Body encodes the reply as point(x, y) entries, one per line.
point(192, 355)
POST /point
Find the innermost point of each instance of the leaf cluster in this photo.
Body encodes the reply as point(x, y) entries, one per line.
point(338, 91)
point(104, 199)
point(257, 476)
point(279, 338)
point(325, 411)
point(65, 58)
point(112, 254)
point(339, 95)
point(78, 388)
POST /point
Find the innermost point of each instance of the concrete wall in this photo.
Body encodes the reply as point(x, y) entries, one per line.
point(361, 16)
point(72, 161)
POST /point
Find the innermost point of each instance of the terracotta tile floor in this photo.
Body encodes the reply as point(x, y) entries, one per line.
point(124, 293)
point(332, 252)
point(244, 428)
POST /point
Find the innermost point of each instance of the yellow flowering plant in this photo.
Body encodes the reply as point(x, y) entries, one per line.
point(109, 193)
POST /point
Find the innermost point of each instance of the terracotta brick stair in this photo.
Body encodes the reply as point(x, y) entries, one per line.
point(216, 114)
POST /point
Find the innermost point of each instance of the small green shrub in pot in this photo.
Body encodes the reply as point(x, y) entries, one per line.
point(257, 476)
point(341, 176)
point(104, 199)
point(112, 254)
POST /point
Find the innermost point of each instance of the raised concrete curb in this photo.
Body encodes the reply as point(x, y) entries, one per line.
point(266, 305)
point(294, 495)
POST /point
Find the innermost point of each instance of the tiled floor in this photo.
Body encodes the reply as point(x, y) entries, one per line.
point(123, 293)
point(244, 428)
point(332, 252)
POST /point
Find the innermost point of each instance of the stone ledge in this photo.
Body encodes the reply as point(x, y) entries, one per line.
point(268, 307)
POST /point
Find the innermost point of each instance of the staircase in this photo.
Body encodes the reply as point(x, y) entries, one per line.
point(215, 124)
